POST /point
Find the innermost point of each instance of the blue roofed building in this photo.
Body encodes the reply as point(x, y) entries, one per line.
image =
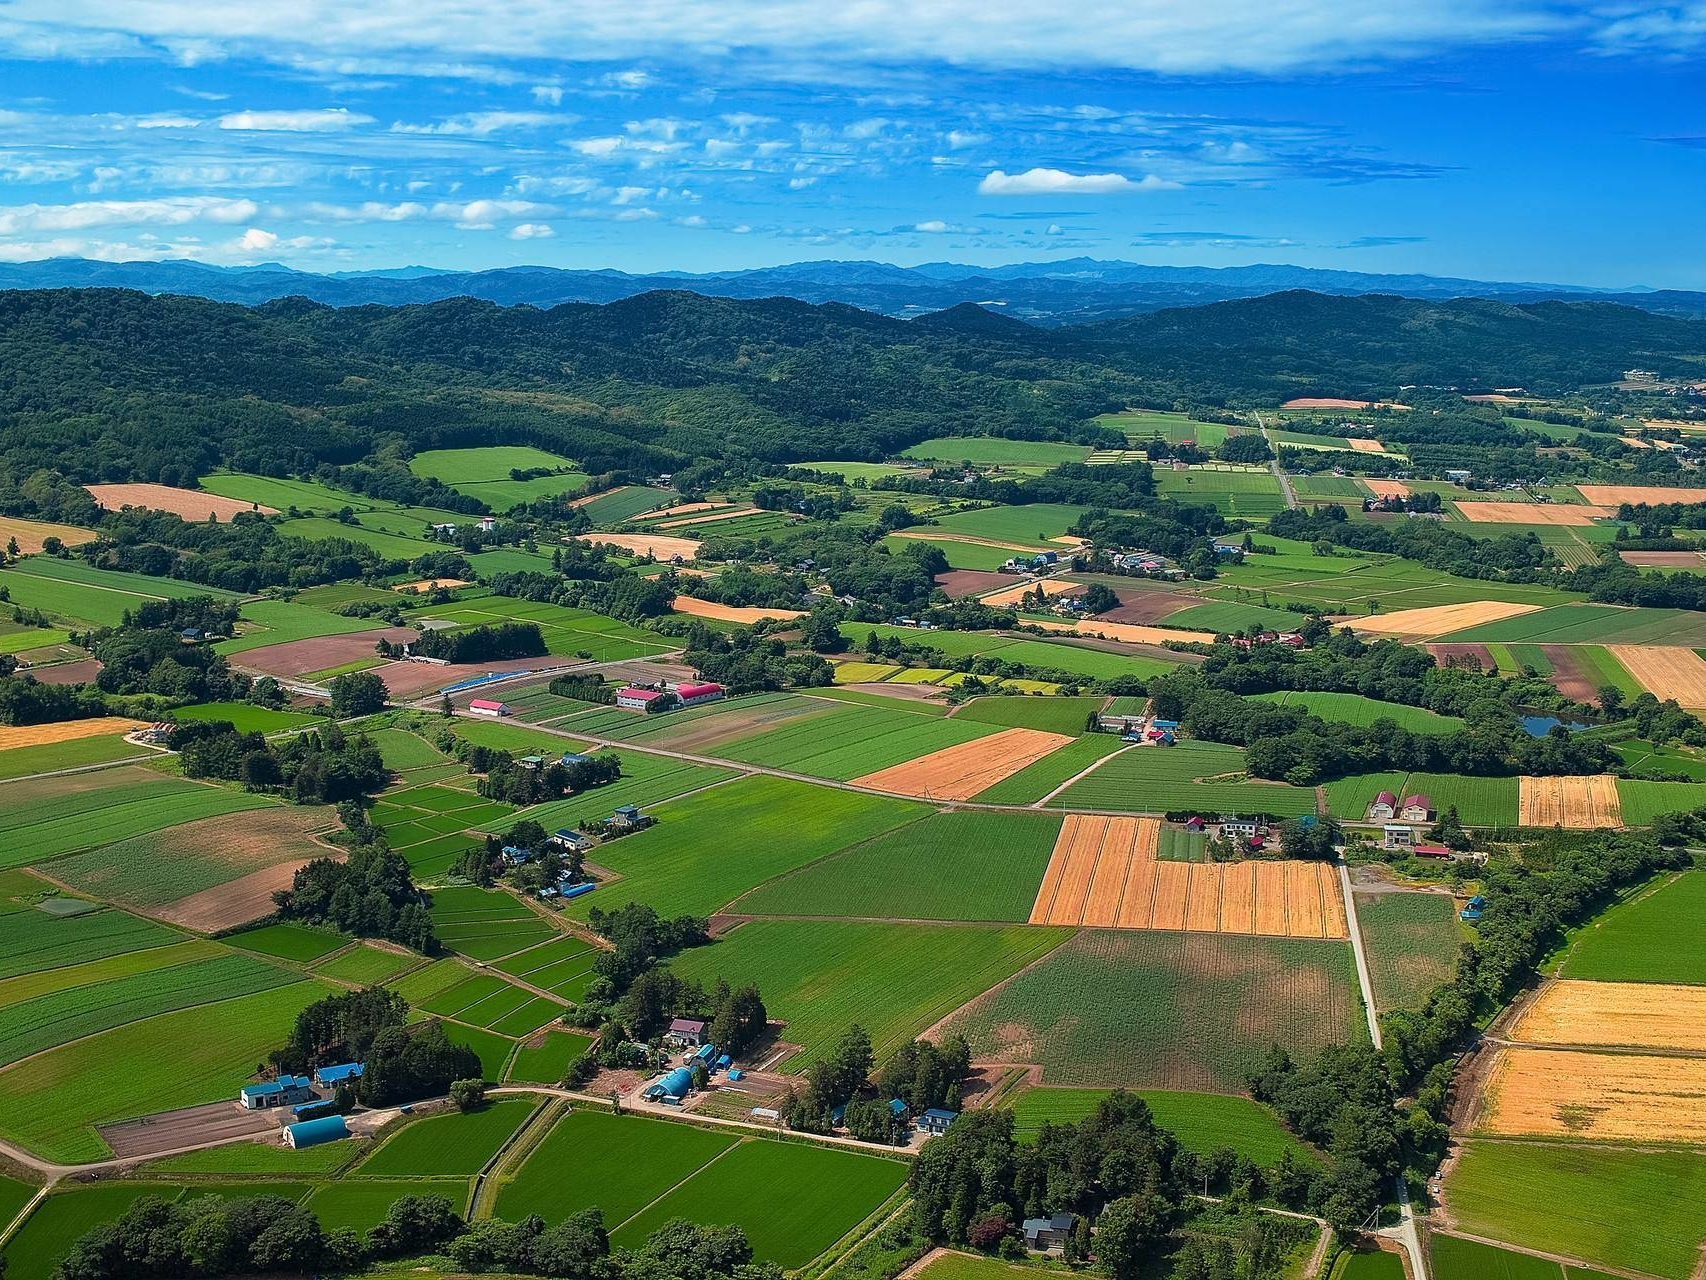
point(286, 1091)
point(936, 1120)
point(675, 1085)
point(311, 1133)
point(331, 1077)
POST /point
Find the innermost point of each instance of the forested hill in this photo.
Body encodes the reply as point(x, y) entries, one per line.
point(115, 385)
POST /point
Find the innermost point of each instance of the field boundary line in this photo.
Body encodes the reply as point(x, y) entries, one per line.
point(668, 1191)
point(1082, 773)
point(1562, 1259)
point(546, 1106)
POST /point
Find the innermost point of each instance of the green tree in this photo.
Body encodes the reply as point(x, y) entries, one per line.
point(357, 693)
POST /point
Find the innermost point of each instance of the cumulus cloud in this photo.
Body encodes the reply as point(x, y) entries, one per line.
point(325, 120)
point(532, 231)
point(85, 215)
point(483, 124)
point(1053, 182)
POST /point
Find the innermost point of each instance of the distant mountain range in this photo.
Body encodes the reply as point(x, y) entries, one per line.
point(1074, 291)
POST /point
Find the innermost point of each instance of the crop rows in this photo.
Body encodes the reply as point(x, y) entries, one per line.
point(33, 941)
point(1165, 779)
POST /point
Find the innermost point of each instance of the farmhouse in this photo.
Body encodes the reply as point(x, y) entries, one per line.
point(692, 695)
point(1399, 837)
point(1048, 1235)
point(1473, 908)
point(571, 841)
point(1232, 828)
point(573, 757)
point(331, 1077)
point(628, 817)
point(311, 1133)
point(633, 699)
point(936, 1120)
point(1384, 808)
point(1417, 808)
point(488, 707)
point(1109, 723)
point(286, 1091)
point(685, 1033)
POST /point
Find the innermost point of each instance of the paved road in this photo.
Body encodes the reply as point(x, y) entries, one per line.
point(1274, 466)
point(1405, 1232)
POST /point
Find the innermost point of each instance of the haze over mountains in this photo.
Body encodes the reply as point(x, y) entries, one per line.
point(1072, 291)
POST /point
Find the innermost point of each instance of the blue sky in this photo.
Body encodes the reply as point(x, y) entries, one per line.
point(1520, 141)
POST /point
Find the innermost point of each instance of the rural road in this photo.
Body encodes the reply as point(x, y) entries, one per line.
point(1405, 1232)
point(1274, 466)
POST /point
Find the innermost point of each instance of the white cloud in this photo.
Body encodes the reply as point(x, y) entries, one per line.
point(549, 94)
point(254, 240)
point(17, 220)
point(1054, 182)
point(531, 231)
point(483, 215)
point(326, 120)
point(482, 124)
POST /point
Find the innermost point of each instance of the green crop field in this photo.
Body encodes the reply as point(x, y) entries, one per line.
point(174, 1060)
point(1480, 802)
point(61, 1219)
point(1340, 489)
point(1411, 940)
point(255, 1159)
point(1636, 941)
point(277, 621)
point(987, 451)
point(1165, 779)
point(35, 941)
point(492, 1049)
point(448, 1145)
point(1641, 754)
point(829, 1193)
point(710, 847)
point(562, 966)
point(1348, 798)
point(485, 924)
point(1175, 428)
point(45, 982)
point(1057, 655)
point(76, 753)
point(1643, 801)
point(1250, 494)
point(967, 865)
point(1035, 781)
point(402, 750)
point(566, 631)
point(1227, 616)
point(1202, 1122)
point(960, 555)
point(246, 717)
point(83, 819)
point(1592, 624)
point(30, 1026)
point(1595, 1203)
point(894, 980)
point(1370, 1264)
point(1189, 1011)
point(548, 1061)
point(361, 1206)
point(1349, 584)
point(1455, 1258)
point(281, 495)
point(619, 1164)
point(1052, 715)
point(624, 504)
point(484, 473)
point(365, 965)
point(1035, 523)
point(393, 546)
point(1354, 709)
point(290, 942)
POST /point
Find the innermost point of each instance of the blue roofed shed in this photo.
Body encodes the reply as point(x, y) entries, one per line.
point(327, 1077)
point(674, 1085)
point(311, 1133)
point(286, 1091)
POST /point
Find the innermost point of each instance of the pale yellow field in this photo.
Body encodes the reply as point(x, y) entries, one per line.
point(35, 735)
point(1386, 488)
point(659, 545)
point(1612, 495)
point(1424, 624)
point(191, 504)
point(1360, 445)
point(698, 608)
point(959, 773)
point(1580, 803)
point(431, 584)
point(1633, 1015)
point(1531, 513)
point(927, 535)
point(1615, 1097)
point(1665, 671)
point(31, 533)
point(1130, 632)
point(1051, 587)
point(713, 517)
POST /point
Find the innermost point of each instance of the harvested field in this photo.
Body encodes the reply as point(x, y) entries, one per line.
point(960, 772)
point(1050, 587)
point(1531, 513)
point(1424, 624)
point(407, 679)
point(1613, 495)
point(432, 584)
point(300, 657)
point(735, 514)
point(698, 608)
point(37, 735)
point(657, 545)
point(31, 533)
point(1666, 672)
point(1580, 804)
point(1445, 654)
point(190, 504)
point(81, 672)
point(1571, 677)
point(237, 902)
point(1663, 559)
point(1326, 402)
point(925, 535)
point(1385, 488)
point(1141, 607)
point(1127, 632)
point(1615, 1015)
point(957, 584)
point(1613, 1097)
point(1359, 445)
point(1104, 874)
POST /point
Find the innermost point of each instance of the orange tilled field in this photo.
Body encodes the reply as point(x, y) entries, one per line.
point(1577, 803)
point(658, 545)
point(1530, 513)
point(190, 504)
point(1012, 595)
point(37, 735)
point(1665, 672)
point(1386, 488)
point(1618, 1097)
point(1438, 620)
point(959, 773)
point(1610, 1015)
point(1612, 495)
point(1104, 873)
point(698, 608)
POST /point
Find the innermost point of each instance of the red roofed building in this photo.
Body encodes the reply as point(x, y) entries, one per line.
point(488, 707)
point(636, 699)
point(1385, 806)
point(693, 694)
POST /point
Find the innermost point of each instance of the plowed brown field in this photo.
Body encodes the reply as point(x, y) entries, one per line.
point(1612, 495)
point(1576, 803)
point(1531, 513)
point(959, 773)
point(1050, 587)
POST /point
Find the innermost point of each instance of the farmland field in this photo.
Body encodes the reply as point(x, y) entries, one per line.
point(1594, 624)
point(894, 980)
point(277, 621)
point(1059, 655)
point(33, 941)
point(951, 866)
point(246, 717)
point(548, 1061)
point(174, 1060)
point(1035, 523)
point(1455, 1258)
point(131, 805)
point(1636, 941)
point(984, 451)
point(566, 631)
point(1354, 709)
point(845, 742)
point(365, 965)
point(44, 982)
point(1168, 1010)
point(1480, 802)
point(1374, 1264)
point(829, 1193)
point(1234, 493)
point(1053, 715)
point(74, 753)
point(484, 473)
point(290, 942)
point(485, 924)
point(361, 1206)
point(1035, 781)
point(1411, 940)
point(1163, 779)
point(617, 505)
point(1348, 798)
point(1202, 1122)
point(1589, 1202)
point(448, 1145)
point(61, 1219)
point(1642, 801)
point(708, 848)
